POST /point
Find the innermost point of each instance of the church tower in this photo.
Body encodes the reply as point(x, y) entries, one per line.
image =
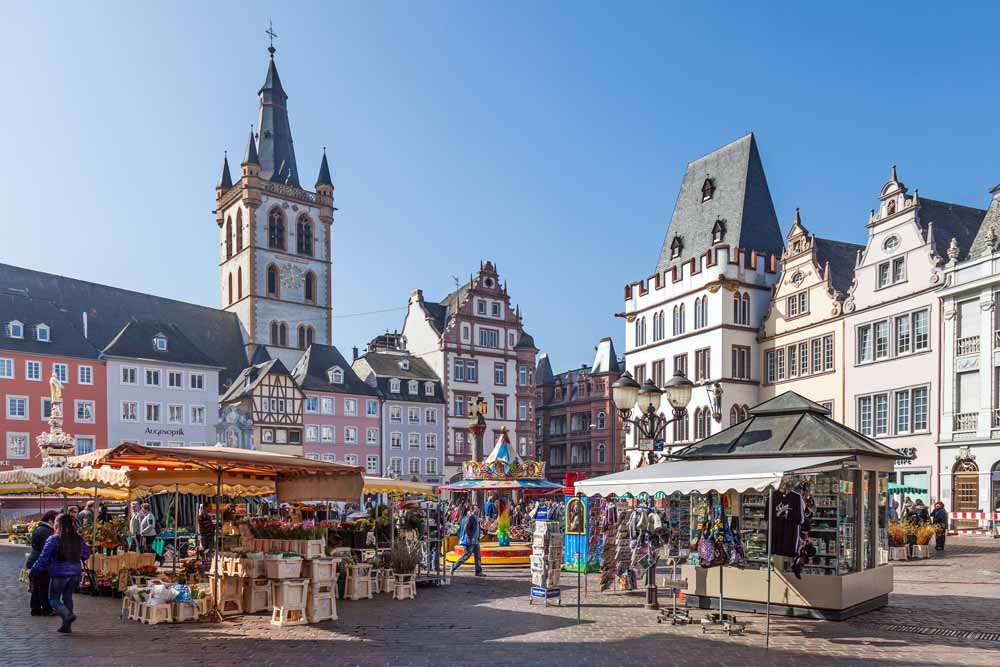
point(274, 237)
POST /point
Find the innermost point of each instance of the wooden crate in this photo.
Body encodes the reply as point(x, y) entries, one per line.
point(322, 607)
point(319, 569)
point(290, 593)
point(184, 611)
point(282, 616)
point(283, 568)
point(257, 596)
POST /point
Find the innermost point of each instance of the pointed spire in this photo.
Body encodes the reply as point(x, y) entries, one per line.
point(892, 174)
point(798, 218)
point(225, 180)
point(324, 172)
point(251, 154)
point(275, 148)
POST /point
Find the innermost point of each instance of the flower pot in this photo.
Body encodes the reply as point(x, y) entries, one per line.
point(897, 553)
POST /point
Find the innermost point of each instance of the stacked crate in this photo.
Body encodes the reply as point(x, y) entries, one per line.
point(321, 604)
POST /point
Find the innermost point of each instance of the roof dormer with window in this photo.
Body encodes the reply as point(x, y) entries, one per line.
point(394, 385)
point(42, 332)
point(15, 329)
point(160, 343)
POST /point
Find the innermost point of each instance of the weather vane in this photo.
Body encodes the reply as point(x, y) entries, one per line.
point(270, 33)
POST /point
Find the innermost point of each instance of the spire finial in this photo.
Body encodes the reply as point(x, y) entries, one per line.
point(270, 33)
point(892, 174)
point(798, 219)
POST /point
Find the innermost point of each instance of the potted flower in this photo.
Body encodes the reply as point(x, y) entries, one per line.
point(898, 539)
point(403, 560)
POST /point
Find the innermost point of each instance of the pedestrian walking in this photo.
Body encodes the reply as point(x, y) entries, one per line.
point(134, 521)
point(39, 583)
point(469, 539)
point(939, 517)
point(86, 515)
point(61, 557)
point(147, 528)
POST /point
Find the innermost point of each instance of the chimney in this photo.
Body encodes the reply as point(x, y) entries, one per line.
point(354, 351)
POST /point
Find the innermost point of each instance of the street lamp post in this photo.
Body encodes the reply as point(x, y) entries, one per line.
point(627, 395)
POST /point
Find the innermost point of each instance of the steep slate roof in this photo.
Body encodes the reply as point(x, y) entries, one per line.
point(787, 425)
point(950, 221)
point(384, 366)
point(843, 259)
point(274, 133)
point(741, 198)
point(525, 342)
point(250, 377)
point(135, 341)
point(109, 309)
point(543, 372)
point(324, 172)
point(65, 338)
point(225, 179)
point(605, 360)
point(442, 310)
point(311, 370)
point(980, 245)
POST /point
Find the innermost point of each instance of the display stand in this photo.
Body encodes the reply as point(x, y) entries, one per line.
point(546, 561)
point(430, 569)
point(676, 615)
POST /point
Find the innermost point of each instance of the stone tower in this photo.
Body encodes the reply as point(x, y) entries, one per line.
point(274, 237)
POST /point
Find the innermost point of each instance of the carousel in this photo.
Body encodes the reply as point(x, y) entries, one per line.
point(503, 471)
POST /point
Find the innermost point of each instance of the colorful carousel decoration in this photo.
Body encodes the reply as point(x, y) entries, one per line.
point(502, 471)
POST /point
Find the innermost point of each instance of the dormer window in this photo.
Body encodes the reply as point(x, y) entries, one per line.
point(42, 333)
point(404, 364)
point(429, 388)
point(394, 386)
point(413, 387)
point(15, 329)
point(676, 246)
point(160, 343)
point(718, 230)
point(335, 375)
point(707, 189)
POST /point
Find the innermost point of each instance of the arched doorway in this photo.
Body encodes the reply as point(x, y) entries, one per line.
point(965, 491)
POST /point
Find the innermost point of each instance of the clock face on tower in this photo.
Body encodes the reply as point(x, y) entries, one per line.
point(291, 276)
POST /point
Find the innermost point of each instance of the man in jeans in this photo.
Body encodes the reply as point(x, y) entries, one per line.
point(469, 539)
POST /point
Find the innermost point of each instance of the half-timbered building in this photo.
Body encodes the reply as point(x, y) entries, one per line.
point(267, 394)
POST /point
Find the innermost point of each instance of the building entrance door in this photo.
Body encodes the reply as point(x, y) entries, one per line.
point(965, 487)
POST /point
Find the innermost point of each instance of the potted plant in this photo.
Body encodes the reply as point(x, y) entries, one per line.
point(403, 560)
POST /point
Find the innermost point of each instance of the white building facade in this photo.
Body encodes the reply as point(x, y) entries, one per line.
point(700, 312)
point(969, 440)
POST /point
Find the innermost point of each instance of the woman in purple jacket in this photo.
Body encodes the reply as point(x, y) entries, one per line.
point(61, 556)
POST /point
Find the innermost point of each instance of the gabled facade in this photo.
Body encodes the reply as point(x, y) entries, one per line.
point(576, 424)
point(969, 440)
point(474, 340)
point(38, 340)
point(274, 237)
point(268, 397)
point(162, 390)
point(802, 340)
point(413, 411)
point(342, 415)
point(893, 324)
point(700, 312)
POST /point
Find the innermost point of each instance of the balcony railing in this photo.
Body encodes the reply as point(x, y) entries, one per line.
point(965, 421)
point(967, 345)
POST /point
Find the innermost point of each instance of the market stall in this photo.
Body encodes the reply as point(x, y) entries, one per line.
point(503, 470)
point(787, 492)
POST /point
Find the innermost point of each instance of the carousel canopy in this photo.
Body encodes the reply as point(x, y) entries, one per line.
point(722, 474)
point(502, 469)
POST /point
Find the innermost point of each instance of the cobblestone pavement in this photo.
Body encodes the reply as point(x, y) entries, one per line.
point(490, 622)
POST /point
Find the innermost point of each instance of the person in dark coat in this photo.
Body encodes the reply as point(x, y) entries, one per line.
point(939, 517)
point(63, 556)
point(920, 513)
point(40, 583)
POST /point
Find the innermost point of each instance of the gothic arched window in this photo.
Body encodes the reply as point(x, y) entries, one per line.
point(282, 334)
point(304, 236)
point(745, 308)
point(274, 333)
point(239, 283)
point(276, 229)
point(239, 230)
point(737, 307)
point(310, 335)
point(302, 337)
point(230, 287)
point(273, 284)
point(310, 287)
point(229, 238)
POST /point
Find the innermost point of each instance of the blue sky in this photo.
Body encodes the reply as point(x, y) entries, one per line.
point(548, 137)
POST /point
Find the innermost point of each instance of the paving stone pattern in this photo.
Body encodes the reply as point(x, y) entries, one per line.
point(490, 622)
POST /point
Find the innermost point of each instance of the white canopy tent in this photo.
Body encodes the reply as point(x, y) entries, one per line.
point(718, 475)
point(721, 475)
